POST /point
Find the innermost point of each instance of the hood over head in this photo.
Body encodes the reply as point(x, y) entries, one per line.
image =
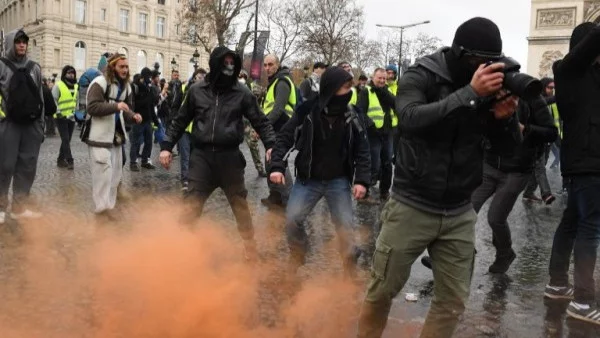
point(64, 72)
point(331, 81)
point(9, 44)
point(546, 81)
point(216, 78)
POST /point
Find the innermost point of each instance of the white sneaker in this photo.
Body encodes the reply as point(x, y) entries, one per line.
point(2, 217)
point(27, 214)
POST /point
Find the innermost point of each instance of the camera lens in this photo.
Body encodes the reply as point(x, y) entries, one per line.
point(523, 85)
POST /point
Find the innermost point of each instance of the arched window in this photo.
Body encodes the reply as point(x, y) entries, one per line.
point(79, 56)
point(141, 60)
point(160, 58)
point(123, 51)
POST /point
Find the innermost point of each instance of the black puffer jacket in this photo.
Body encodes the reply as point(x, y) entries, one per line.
point(218, 115)
point(539, 130)
point(300, 131)
point(440, 151)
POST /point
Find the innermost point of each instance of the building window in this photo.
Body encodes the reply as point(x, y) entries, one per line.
point(141, 60)
point(124, 20)
point(143, 29)
point(79, 55)
point(57, 63)
point(80, 8)
point(177, 29)
point(103, 14)
point(123, 51)
point(160, 59)
point(160, 27)
point(161, 2)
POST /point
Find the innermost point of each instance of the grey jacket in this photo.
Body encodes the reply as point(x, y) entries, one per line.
point(6, 73)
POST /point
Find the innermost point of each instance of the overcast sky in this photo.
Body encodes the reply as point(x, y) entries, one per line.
point(512, 16)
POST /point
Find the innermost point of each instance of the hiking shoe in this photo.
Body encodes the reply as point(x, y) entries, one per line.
point(590, 315)
point(559, 292)
point(502, 262)
point(148, 165)
point(134, 167)
point(2, 217)
point(548, 199)
point(427, 262)
point(531, 198)
point(62, 164)
point(26, 214)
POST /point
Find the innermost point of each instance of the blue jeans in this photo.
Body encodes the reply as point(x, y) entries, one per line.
point(303, 198)
point(382, 152)
point(140, 133)
point(578, 233)
point(184, 155)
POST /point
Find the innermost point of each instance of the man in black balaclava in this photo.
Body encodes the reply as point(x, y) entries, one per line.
point(333, 155)
point(66, 97)
point(217, 107)
point(146, 99)
point(443, 121)
point(578, 100)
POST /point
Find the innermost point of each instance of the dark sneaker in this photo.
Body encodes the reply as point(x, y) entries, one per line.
point(531, 198)
point(134, 167)
point(558, 292)
point(427, 262)
point(272, 202)
point(148, 165)
point(62, 164)
point(548, 199)
point(590, 315)
point(70, 165)
point(502, 262)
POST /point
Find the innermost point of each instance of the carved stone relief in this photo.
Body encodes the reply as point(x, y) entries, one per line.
point(590, 8)
point(548, 59)
point(556, 17)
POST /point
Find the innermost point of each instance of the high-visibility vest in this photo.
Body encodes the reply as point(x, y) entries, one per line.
point(354, 97)
point(375, 112)
point(556, 117)
point(67, 100)
point(393, 88)
point(188, 129)
point(2, 115)
point(269, 102)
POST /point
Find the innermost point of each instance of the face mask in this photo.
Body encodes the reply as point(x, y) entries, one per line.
point(228, 70)
point(338, 104)
point(242, 81)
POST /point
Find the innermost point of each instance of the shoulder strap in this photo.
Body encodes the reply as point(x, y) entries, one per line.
point(29, 65)
point(9, 63)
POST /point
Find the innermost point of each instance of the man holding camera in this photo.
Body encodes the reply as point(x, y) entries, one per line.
point(578, 100)
point(445, 112)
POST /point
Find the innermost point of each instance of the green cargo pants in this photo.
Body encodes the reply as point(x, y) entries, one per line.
point(405, 233)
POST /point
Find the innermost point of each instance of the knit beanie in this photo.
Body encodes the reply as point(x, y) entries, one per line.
point(579, 33)
point(479, 34)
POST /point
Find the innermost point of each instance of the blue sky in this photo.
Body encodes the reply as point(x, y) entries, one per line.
point(512, 16)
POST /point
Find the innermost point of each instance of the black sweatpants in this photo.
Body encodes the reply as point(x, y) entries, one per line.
point(223, 169)
point(19, 151)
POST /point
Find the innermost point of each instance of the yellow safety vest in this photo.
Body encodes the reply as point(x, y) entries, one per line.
point(189, 127)
point(2, 115)
point(393, 88)
point(375, 112)
point(67, 101)
point(556, 116)
point(269, 102)
point(354, 97)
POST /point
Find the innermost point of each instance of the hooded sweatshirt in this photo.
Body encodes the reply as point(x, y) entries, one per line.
point(6, 73)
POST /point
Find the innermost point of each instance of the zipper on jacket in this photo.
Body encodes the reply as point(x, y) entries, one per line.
point(215, 122)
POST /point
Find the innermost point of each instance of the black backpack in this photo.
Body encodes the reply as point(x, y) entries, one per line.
point(24, 104)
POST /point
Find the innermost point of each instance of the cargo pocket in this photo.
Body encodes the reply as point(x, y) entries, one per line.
point(381, 258)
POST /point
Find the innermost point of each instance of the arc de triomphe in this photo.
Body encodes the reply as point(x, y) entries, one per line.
point(552, 22)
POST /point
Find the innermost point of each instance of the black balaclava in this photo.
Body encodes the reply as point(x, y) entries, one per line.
point(579, 33)
point(477, 35)
point(146, 75)
point(220, 77)
point(331, 81)
point(63, 76)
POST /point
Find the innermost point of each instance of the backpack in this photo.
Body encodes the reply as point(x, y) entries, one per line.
point(24, 104)
point(84, 134)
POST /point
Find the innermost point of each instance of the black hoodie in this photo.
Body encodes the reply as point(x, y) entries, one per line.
point(325, 151)
point(217, 109)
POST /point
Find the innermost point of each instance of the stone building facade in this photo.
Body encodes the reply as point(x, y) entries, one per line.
point(77, 32)
point(552, 22)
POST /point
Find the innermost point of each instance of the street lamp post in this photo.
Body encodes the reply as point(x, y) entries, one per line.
point(196, 58)
point(402, 28)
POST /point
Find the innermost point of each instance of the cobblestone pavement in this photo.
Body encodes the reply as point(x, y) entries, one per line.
point(507, 306)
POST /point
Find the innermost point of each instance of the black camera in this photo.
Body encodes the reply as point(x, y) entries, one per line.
point(519, 84)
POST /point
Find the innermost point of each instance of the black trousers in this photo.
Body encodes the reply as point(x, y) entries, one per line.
point(65, 130)
point(223, 169)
